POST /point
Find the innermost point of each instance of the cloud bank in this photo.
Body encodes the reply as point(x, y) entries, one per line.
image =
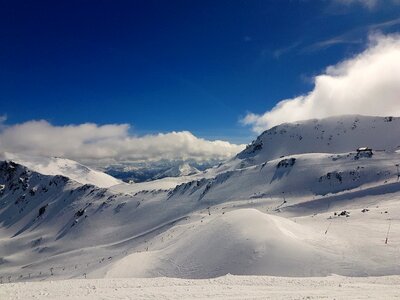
point(366, 84)
point(99, 145)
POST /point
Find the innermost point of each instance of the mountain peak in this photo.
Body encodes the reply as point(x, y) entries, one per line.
point(330, 135)
point(64, 167)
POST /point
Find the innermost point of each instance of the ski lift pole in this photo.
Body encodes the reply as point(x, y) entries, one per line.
point(387, 234)
point(327, 228)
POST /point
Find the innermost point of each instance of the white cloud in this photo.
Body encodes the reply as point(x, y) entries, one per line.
point(368, 83)
point(94, 144)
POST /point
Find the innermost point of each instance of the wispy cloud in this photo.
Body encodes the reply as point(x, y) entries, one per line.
point(370, 4)
point(384, 25)
point(352, 37)
point(355, 36)
point(281, 51)
point(339, 40)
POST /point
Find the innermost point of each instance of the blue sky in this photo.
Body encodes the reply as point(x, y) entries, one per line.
point(166, 66)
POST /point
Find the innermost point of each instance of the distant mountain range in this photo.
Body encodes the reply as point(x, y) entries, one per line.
point(142, 172)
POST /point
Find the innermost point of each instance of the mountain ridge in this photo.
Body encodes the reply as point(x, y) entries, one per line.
point(62, 166)
point(336, 134)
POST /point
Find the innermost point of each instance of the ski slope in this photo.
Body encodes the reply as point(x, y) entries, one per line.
point(227, 287)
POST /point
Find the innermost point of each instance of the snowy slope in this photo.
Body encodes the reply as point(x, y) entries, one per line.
point(227, 287)
point(330, 135)
point(64, 167)
point(244, 241)
point(83, 226)
point(295, 178)
point(306, 214)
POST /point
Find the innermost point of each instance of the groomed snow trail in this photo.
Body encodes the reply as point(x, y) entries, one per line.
point(226, 287)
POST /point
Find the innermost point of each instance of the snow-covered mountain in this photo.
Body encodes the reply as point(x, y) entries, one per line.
point(148, 171)
point(184, 169)
point(330, 135)
point(309, 213)
point(64, 167)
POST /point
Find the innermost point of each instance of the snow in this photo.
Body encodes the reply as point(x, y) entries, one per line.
point(254, 241)
point(64, 167)
point(159, 184)
point(152, 170)
point(184, 169)
point(329, 135)
point(306, 215)
point(226, 287)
